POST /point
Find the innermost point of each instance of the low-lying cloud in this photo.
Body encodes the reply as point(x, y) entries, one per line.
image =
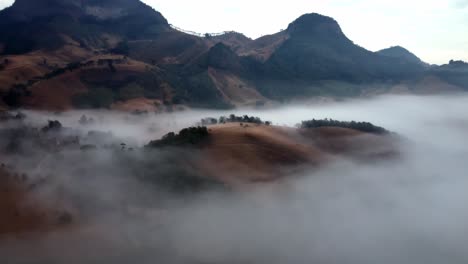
point(409, 210)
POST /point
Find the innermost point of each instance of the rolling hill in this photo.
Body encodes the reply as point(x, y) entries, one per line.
point(237, 153)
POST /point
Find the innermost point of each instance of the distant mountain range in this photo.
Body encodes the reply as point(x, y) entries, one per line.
point(122, 54)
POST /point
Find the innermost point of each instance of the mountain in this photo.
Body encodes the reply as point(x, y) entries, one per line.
point(64, 54)
point(234, 39)
point(313, 49)
point(401, 53)
point(43, 24)
point(318, 49)
point(454, 73)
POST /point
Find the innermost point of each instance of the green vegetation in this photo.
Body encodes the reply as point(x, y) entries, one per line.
point(360, 126)
point(233, 119)
point(186, 137)
point(243, 119)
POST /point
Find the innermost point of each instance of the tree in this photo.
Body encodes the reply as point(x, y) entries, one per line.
point(188, 136)
point(84, 120)
point(53, 125)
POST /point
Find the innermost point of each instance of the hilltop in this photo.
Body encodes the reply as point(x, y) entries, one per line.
point(244, 151)
point(402, 53)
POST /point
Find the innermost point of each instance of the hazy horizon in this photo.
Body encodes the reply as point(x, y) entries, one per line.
point(433, 30)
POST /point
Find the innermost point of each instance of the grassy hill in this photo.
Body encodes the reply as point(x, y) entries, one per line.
point(237, 152)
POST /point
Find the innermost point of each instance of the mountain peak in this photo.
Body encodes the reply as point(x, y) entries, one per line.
point(100, 9)
point(396, 49)
point(221, 56)
point(314, 23)
point(401, 53)
point(43, 23)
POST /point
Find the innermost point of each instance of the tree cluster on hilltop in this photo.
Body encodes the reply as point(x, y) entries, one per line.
point(187, 136)
point(458, 63)
point(234, 119)
point(360, 126)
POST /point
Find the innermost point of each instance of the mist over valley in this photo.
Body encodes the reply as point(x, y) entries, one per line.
point(115, 205)
point(127, 139)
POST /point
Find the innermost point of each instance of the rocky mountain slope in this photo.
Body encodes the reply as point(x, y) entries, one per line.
point(100, 53)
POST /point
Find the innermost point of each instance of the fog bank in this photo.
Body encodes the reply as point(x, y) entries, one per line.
point(410, 210)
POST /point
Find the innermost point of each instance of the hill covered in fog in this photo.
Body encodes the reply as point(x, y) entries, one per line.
point(39, 194)
point(125, 55)
point(238, 189)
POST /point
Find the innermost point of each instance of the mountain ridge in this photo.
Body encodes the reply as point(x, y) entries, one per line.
point(127, 45)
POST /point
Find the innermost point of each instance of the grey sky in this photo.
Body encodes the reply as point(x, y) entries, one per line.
point(434, 30)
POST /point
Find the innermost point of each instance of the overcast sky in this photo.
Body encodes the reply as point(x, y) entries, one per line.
point(435, 30)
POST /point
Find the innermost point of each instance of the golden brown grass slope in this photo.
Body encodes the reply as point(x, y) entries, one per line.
point(57, 93)
point(249, 152)
point(234, 89)
point(25, 67)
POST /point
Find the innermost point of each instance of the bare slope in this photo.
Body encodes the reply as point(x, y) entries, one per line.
point(251, 152)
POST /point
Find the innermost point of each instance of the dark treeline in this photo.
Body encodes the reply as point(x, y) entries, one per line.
point(78, 65)
point(360, 126)
point(234, 119)
point(187, 136)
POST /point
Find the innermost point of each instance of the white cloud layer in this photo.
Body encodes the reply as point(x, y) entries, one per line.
point(408, 210)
